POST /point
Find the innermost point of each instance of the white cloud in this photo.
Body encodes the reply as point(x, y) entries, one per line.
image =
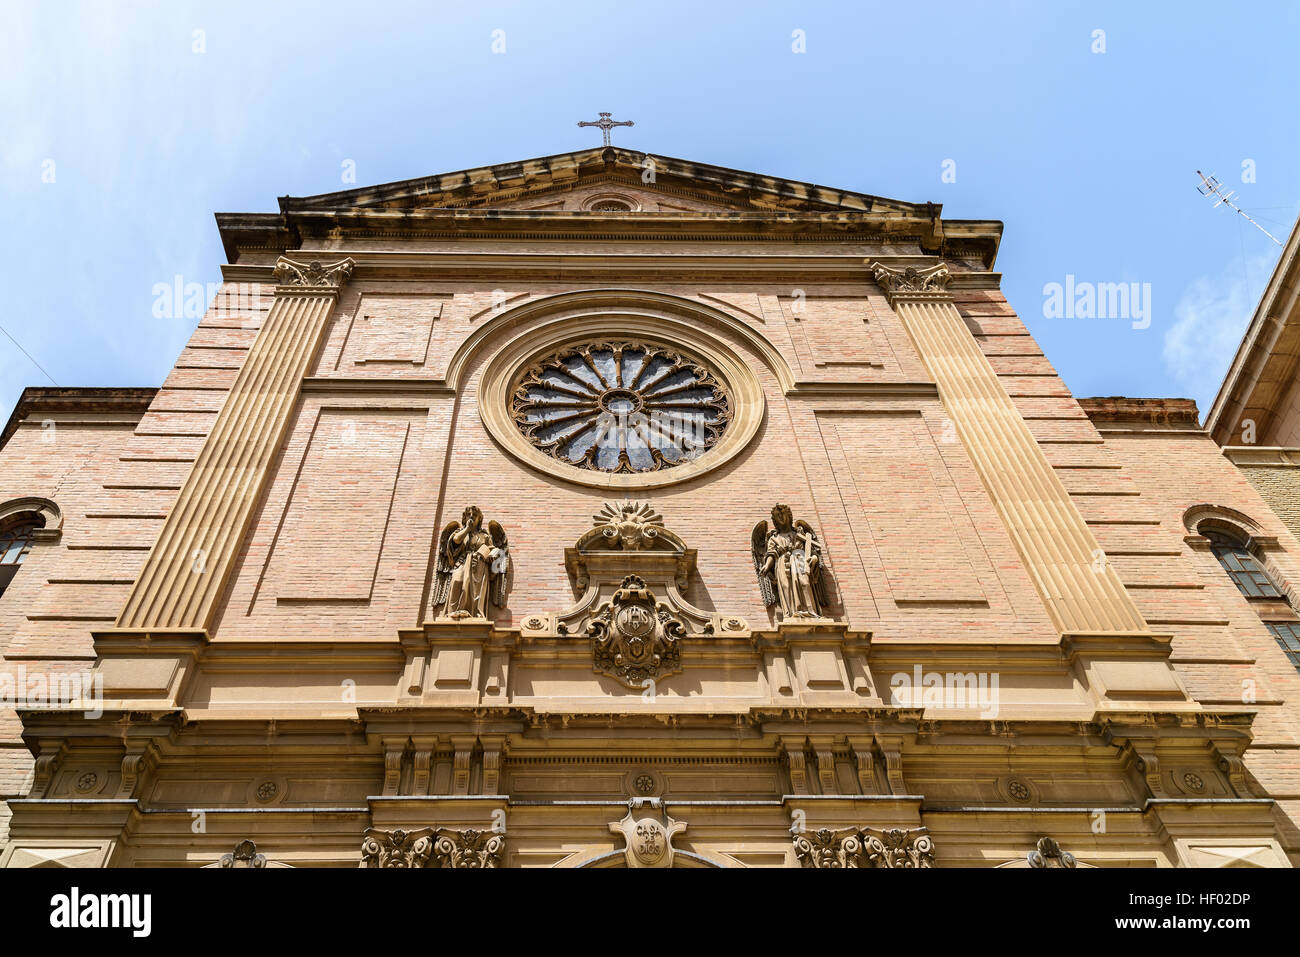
point(1209, 320)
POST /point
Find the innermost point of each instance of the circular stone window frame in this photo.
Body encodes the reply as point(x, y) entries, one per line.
point(591, 202)
point(508, 365)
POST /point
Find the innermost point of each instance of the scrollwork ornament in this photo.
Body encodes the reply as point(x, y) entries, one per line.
point(396, 849)
point(313, 275)
point(635, 638)
point(244, 855)
point(827, 848)
point(469, 848)
point(894, 847)
point(1047, 854)
point(931, 282)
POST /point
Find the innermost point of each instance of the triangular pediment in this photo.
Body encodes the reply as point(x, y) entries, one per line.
point(605, 179)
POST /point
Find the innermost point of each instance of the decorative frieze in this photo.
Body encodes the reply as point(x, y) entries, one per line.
point(865, 847)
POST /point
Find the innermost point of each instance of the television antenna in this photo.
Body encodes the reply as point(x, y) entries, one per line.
point(1211, 187)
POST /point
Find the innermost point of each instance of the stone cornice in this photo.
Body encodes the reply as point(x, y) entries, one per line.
point(1271, 456)
point(486, 184)
point(609, 265)
point(1174, 414)
point(973, 240)
point(38, 400)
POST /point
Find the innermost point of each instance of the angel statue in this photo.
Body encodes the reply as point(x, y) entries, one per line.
point(788, 560)
point(472, 566)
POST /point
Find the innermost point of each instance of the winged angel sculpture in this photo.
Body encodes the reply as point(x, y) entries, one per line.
point(788, 561)
point(472, 567)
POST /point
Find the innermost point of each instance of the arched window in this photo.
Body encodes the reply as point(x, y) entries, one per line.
point(1242, 567)
point(1253, 581)
point(15, 542)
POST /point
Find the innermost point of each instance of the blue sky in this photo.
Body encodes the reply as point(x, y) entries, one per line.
point(1087, 157)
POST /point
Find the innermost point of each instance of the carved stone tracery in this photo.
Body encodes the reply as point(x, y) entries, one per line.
point(621, 406)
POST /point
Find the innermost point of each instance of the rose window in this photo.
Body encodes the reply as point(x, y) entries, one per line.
point(621, 407)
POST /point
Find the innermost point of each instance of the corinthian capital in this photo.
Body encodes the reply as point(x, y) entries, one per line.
point(912, 283)
point(298, 278)
point(891, 847)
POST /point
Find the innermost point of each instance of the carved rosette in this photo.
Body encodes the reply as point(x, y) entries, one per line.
point(865, 847)
point(312, 277)
point(468, 848)
point(634, 638)
point(912, 283)
point(398, 848)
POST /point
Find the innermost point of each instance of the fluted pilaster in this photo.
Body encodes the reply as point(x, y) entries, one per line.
point(1082, 593)
point(195, 551)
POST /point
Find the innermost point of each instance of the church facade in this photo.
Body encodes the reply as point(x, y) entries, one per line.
point(614, 510)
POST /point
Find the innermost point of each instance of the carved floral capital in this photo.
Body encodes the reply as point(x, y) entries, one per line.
point(397, 849)
point(911, 283)
point(312, 277)
point(865, 847)
point(468, 848)
point(432, 847)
